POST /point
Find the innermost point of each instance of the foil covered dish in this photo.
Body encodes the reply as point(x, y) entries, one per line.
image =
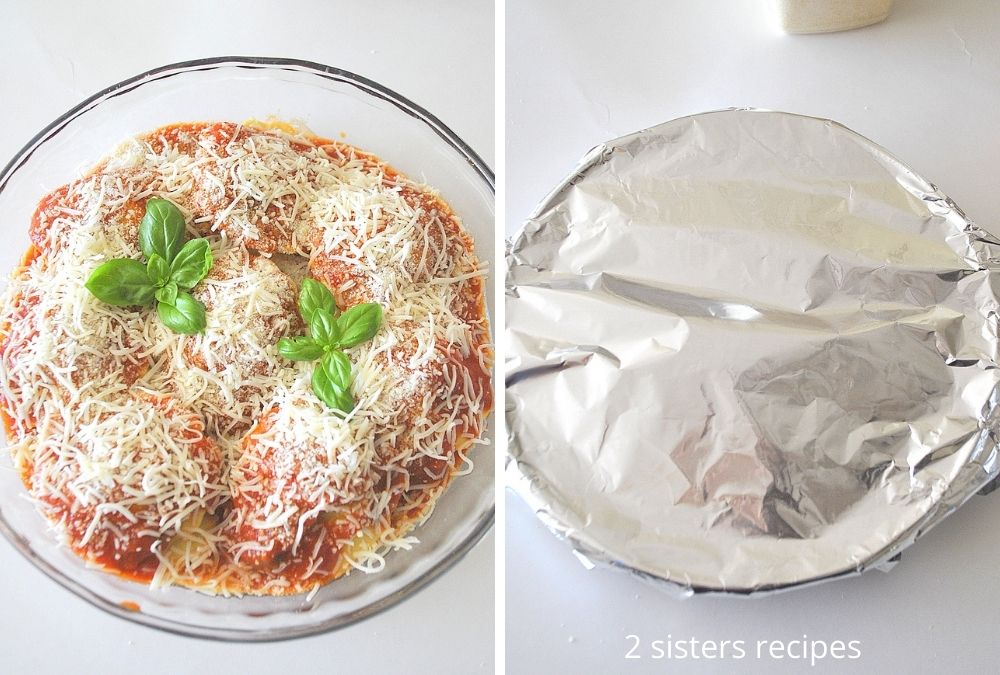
point(748, 351)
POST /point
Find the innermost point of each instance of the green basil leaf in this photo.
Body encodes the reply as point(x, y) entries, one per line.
point(338, 366)
point(312, 296)
point(192, 263)
point(157, 270)
point(323, 328)
point(359, 323)
point(161, 230)
point(331, 382)
point(186, 315)
point(300, 349)
point(167, 294)
point(122, 282)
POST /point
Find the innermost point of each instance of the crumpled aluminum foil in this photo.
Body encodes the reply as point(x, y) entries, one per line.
point(747, 351)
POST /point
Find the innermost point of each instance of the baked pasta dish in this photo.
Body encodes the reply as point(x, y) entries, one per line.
point(242, 359)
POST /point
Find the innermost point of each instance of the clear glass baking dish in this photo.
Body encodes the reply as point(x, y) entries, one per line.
point(332, 103)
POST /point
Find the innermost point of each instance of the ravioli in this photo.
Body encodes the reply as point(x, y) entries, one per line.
point(206, 460)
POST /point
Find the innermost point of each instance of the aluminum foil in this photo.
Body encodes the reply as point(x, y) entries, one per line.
point(748, 351)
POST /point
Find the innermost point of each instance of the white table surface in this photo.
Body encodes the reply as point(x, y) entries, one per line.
point(438, 54)
point(926, 85)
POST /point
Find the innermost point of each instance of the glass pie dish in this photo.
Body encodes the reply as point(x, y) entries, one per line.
point(331, 103)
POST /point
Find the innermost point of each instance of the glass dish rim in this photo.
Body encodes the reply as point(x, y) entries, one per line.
point(367, 86)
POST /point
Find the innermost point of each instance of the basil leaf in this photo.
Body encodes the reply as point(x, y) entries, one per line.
point(359, 323)
point(300, 349)
point(161, 230)
point(186, 315)
point(312, 296)
point(338, 366)
point(331, 382)
point(122, 282)
point(192, 263)
point(157, 270)
point(324, 328)
point(167, 294)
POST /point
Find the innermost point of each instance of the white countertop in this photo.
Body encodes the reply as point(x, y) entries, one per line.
point(49, 61)
point(926, 85)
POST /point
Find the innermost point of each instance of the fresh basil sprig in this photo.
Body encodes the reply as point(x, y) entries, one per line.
point(172, 268)
point(329, 332)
